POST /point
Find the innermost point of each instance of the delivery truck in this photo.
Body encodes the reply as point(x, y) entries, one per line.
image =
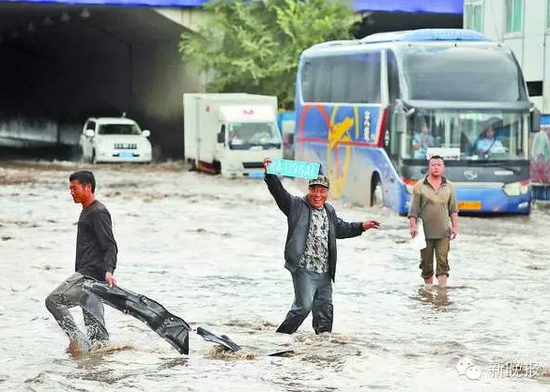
point(231, 133)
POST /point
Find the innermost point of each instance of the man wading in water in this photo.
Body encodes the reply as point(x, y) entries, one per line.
point(96, 257)
point(310, 250)
point(434, 202)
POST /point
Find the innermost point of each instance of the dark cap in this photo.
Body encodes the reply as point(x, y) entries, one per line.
point(320, 180)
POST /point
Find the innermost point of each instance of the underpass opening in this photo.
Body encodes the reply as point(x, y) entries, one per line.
point(60, 64)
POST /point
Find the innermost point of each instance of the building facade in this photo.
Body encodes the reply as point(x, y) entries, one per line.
point(524, 26)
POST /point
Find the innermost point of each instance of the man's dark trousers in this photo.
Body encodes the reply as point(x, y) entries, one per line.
point(312, 292)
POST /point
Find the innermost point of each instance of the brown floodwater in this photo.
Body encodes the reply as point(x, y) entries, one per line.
point(211, 251)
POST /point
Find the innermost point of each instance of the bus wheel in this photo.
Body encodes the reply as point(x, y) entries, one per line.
point(376, 195)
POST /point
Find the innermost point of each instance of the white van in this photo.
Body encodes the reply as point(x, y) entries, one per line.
point(108, 139)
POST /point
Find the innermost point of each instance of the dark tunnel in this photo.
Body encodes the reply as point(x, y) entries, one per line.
point(60, 64)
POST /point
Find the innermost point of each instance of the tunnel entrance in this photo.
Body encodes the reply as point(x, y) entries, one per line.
point(60, 64)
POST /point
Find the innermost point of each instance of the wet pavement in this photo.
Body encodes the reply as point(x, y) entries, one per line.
point(210, 250)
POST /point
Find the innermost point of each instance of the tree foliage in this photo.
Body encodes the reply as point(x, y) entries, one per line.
point(254, 46)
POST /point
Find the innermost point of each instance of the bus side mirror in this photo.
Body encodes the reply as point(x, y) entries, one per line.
point(221, 136)
point(535, 120)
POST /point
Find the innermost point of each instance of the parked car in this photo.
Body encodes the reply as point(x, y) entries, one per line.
point(107, 139)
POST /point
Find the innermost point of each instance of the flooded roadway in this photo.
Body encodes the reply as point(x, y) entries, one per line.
point(210, 250)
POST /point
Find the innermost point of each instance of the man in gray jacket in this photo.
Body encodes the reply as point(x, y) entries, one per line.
point(310, 250)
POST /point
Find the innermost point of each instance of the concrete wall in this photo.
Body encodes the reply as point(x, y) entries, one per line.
point(189, 18)
point(528, 44)
point(159, 79)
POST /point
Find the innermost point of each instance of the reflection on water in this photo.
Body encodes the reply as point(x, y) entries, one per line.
point(437, 297)
point(211, 251)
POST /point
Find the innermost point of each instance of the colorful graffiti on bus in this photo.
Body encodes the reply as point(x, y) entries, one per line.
point(334, 133)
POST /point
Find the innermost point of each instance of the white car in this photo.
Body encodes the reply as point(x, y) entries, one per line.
point(108, 139)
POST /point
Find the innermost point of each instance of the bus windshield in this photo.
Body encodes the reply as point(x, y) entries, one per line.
point(443, 73)
point(467, 134)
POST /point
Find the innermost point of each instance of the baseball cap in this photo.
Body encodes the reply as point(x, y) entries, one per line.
point(320, 180)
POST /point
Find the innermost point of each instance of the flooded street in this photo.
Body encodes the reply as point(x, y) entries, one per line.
point(211, 251)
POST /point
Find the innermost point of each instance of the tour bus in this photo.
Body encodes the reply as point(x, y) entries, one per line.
point(372, 111)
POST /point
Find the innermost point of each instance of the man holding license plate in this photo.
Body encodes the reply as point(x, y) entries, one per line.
point(310, 249)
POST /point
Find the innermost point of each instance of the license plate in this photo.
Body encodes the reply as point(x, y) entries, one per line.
point(126, 154)
point(469, 205)
point(294, 168)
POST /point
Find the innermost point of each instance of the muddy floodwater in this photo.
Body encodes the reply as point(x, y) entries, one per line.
point(211, 251)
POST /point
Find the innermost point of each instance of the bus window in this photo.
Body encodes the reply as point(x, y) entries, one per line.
point(342, 79)
point(308, 80)
point(364, 78)
point(321, 89)
point(338, 80)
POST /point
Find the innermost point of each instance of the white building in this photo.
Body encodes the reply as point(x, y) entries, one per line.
point(524, 26)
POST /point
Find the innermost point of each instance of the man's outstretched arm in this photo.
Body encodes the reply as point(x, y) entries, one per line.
point(353, 229)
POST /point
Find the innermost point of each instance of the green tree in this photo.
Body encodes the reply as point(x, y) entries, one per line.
point(254, 46)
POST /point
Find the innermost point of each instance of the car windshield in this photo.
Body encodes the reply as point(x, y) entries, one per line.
point(465, 134)
point(119, 129)
point(253, 133)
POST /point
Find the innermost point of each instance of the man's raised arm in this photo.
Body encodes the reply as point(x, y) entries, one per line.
point(277, 190)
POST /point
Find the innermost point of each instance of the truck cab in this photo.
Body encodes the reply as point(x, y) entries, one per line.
point(246, 136)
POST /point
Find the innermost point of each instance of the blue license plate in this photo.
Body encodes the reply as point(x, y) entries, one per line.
point(293, 168)
point(126, 154)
